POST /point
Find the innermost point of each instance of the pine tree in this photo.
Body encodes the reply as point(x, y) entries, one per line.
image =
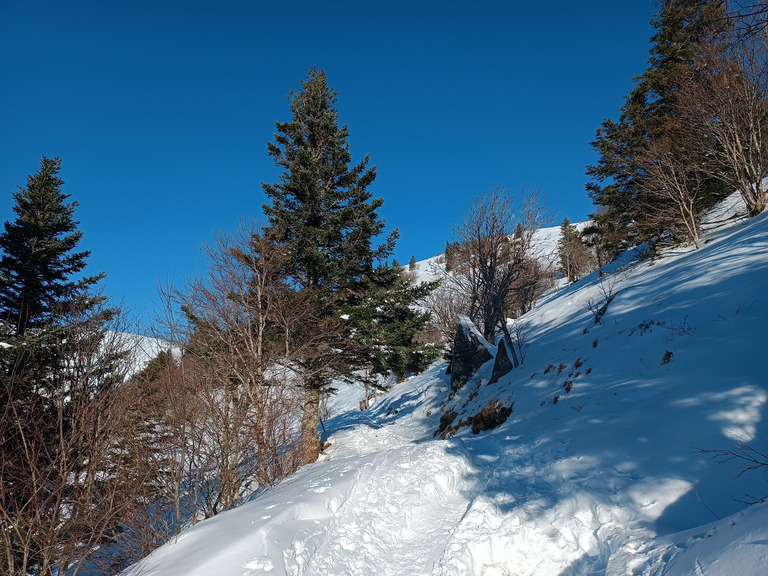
point(412, 263)
point(452, 250)
point(39, 258)
point(386, 326)
point(57, 372)
point(616, 185)
point(573, 253)
point(323, 213)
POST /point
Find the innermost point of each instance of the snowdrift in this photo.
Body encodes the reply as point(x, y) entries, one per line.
point(603, 466)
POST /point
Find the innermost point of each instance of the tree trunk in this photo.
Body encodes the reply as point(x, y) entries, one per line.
point(309, 448)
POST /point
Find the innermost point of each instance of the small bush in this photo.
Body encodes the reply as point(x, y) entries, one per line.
point(492, 415)
point(444, 430)
point(667, 358)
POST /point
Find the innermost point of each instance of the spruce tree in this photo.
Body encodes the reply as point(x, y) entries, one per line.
point(573, 254)
point(386, 326)
point(616, 187)
point(40, 261)
point(56, 374)
point(322, 212)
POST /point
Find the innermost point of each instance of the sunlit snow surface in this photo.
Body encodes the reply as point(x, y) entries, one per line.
point(608, 478)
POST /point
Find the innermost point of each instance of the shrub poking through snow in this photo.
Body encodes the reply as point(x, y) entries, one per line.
point(444, 430)
point(492, 415)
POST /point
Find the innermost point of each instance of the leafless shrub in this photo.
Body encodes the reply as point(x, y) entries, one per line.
point(607, 288)
point(747, 458)
point(65, 488)
point(495, 264)
point(724, 97)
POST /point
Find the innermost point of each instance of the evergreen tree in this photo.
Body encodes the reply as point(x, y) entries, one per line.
point(323, 213)
point(57, 374)
point(386, 326)
point(616, 185)
point(412, 263)
point(39, 257)
point(452, 250)
point(573, 254)
point(321, 205)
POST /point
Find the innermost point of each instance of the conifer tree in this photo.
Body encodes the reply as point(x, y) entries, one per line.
point(39, 257)
point(412, 263)
point(616, 185)
point(57, 374)
point(573, 253)
point(323, 213)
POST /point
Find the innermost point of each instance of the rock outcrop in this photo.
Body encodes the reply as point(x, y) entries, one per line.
point(470, 352)
point(502, 365)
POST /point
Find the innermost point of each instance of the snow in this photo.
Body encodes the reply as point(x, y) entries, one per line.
point(141, 349)
point(601, 469)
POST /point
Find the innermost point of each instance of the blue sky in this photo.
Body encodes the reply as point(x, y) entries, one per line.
point(161, 110)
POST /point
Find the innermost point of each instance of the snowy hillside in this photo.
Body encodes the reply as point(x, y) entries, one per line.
point(598, 470)
point(141, 349)
point(543, 245)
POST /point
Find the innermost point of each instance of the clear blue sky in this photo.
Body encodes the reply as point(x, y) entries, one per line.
point(161, 110)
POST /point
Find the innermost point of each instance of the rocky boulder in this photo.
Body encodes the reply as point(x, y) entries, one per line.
point(470, 352)
point(502, 365)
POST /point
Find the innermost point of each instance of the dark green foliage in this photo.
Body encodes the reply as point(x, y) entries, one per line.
point(412, 263)
point(39, 257)
point(386, 326)
point(573, 254)
point(620, 217)
point(57, 377)
point(322, 212)
point(38, 294)
point(321, 204)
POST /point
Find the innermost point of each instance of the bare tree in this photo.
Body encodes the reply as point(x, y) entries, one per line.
point(673, 187)
point(237, 310)
point(495, 257)
point(748, 18)
point(725, 97)
point(445, 304)
point(64, 489)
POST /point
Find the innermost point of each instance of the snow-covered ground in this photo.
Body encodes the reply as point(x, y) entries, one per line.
point(599, 469)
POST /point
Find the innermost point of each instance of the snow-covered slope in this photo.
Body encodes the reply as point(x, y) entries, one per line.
point(543, 245)
point(598, 470)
